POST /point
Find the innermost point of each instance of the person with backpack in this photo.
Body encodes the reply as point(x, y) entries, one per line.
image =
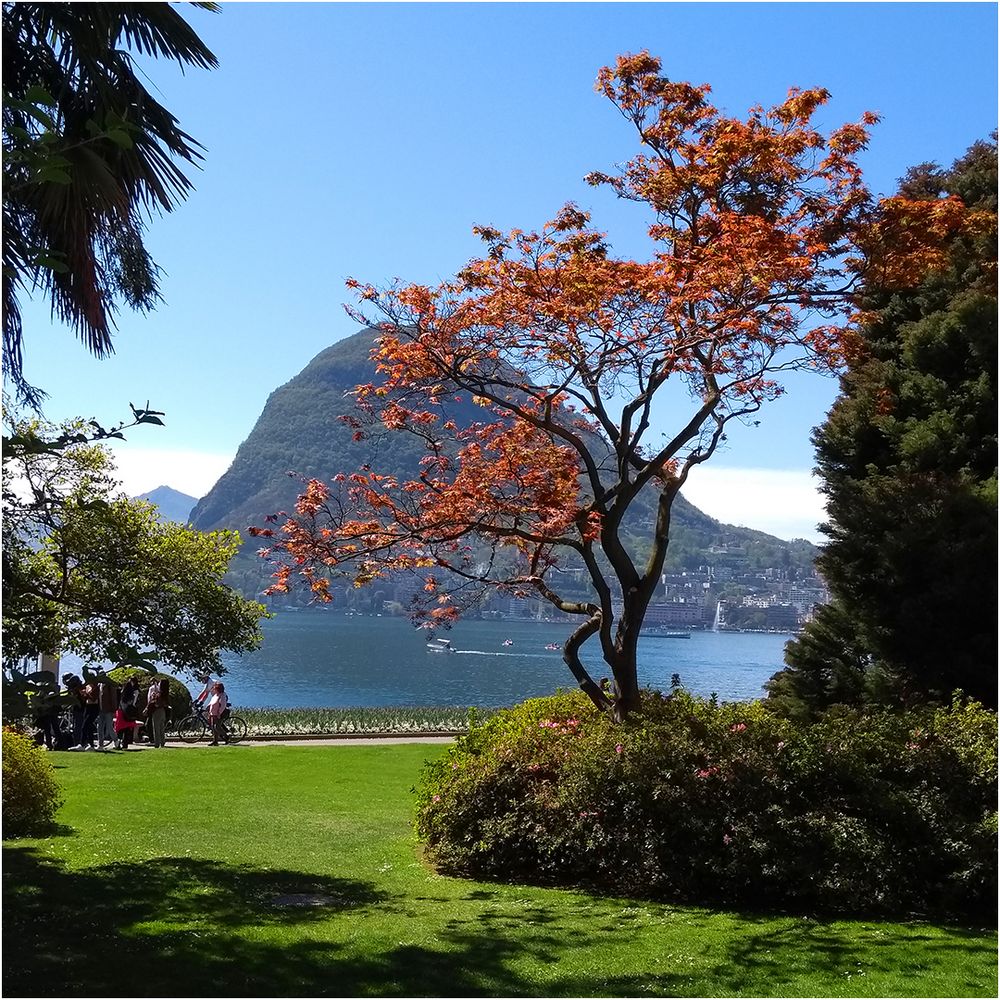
point(157, 700)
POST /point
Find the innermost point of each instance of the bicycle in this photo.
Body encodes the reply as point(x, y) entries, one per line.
point(195, 727)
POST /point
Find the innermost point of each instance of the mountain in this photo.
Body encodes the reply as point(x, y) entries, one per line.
point(174, 505)
point(298, 431)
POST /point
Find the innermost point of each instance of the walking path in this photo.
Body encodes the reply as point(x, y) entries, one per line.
point(307, 741)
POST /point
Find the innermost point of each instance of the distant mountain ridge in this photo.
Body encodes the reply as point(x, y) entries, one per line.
point(173, 505)
point(298, 431)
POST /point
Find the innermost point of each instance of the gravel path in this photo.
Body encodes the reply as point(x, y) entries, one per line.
point(324, 741)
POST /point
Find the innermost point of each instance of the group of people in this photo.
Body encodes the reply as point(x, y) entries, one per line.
point(106, 715)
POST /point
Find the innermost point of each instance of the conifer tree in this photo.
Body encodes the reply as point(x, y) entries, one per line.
point(908, 462)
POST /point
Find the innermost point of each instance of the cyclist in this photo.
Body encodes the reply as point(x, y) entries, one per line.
point(206, 692)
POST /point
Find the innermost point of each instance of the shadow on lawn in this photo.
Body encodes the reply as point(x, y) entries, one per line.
point(795, 945)
point(779, 953)
point(71, 932)
point(80, 933)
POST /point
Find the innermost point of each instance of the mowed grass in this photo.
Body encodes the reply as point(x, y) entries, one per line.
point(166, 876)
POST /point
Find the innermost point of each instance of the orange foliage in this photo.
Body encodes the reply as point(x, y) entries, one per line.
point(762, 234)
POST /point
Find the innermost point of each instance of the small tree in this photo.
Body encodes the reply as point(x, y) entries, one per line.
point(762, 228)
point(96, 574)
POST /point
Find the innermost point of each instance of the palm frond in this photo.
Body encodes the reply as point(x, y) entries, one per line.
point(121, 153)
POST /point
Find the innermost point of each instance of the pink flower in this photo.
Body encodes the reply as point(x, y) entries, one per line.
point(437, 798)
point(782, 744)
point(740, 727)
point(618, 748)
point(726, 839)
point(706, 772)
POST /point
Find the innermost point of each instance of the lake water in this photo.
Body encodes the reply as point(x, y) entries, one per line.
point(324, 658)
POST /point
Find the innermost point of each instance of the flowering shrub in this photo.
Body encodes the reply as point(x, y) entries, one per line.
point(358, 719)
point(695, 801)
point(30, 792)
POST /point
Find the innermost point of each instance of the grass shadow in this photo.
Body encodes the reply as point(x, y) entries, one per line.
point(71, 932)
point(193, 927)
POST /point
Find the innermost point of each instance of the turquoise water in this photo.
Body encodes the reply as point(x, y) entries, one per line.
point(324, 658)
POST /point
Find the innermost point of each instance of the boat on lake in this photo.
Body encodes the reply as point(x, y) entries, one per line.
point(654, 633)
point(439, 646)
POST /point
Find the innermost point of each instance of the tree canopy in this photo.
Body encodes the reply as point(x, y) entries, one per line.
point(93, 573)
point(294, 433)
point(908, 462)
point(89, 153)
point(761, 231)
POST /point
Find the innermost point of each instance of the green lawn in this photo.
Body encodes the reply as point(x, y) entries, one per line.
point(163, 879)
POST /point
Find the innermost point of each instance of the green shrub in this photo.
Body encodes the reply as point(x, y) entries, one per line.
point(694, 801)
point(180, 696)
point(30, 792)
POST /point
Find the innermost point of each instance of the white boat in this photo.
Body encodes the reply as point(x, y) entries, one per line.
point(439, 646)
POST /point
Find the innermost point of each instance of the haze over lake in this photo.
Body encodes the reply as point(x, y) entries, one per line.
point(325, 658)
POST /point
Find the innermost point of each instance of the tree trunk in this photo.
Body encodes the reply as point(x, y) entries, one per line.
point(626, 694)
point(623, 698)
point(626, 671)
point(571, 657)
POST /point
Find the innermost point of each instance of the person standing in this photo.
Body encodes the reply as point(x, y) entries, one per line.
point(218, 705)
point(107, 703)
point(127, 716)
point(91, 712)
point(47, 712)
point(74, 687)
point(157, 699)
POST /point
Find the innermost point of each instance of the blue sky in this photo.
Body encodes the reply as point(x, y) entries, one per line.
point(366, 140)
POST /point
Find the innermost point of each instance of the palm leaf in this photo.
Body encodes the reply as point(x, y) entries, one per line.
point(125, 154)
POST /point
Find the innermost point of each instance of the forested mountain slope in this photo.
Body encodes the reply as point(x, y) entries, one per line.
point(298, 431)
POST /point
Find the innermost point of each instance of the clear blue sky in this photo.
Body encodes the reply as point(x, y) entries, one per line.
point(366, 140)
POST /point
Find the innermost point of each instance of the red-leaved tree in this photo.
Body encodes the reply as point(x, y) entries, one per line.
point(763, 233)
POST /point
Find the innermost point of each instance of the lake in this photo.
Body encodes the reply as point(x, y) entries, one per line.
point(326, 658)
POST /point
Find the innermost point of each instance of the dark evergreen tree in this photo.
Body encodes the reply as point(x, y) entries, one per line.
point(908, 461)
